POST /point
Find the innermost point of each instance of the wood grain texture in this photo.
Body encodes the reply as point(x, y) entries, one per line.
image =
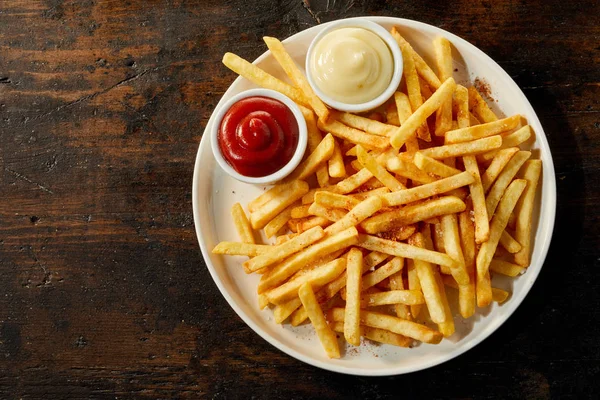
point(104, 292)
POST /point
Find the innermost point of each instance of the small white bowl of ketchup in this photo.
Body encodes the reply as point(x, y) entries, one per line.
point(259, 136)
point(354, 65)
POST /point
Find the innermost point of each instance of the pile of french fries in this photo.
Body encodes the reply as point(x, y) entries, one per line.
point(389, 211)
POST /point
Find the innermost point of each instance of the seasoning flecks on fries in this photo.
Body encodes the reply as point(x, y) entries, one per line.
point(389, 209)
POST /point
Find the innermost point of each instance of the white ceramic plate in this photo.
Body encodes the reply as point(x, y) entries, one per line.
point(214, 193)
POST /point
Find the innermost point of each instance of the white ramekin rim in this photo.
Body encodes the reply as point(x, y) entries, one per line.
point(396, 56)
point(287, 168)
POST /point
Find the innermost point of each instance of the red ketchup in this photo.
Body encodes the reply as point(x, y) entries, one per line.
point(258, 136)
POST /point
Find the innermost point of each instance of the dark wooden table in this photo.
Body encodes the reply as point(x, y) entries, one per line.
point(103, 290)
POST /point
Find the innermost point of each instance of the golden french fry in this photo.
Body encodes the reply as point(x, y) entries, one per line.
point(314, 138)
point(362, 211)
point(376, 335)
point(353, 135)
point(431, 189)
point(509, 243)
point(263, 301)
point(294, 73)
point(369, 193)
point(511, 140)
point(370, 163)
point(464, 149)
point(299, 260)
point(278, 253)
point(453, 249)
point(506, 268)
point(267, 212)
point(403, 113)
point(269, 195)
point(261, 78)
point(240, 249)
point(300, 211)
point(283, 311)
point(336, 163)
point(281, 239)
point(386, 270)
point(423, 69)
point(241, 224)
point(404, 167)
point(413, 284)
point(498, 224)
point(467, 295)
point(461, 104)
point(504, 179)
point(447, 328)
point(365, 124)
point(443, 58)
point(325, 334)
point(499, 161)
point(397, 283)
point(316, 277)
point(484, 130)
point(353, 285)
point(346, 186)
point(332, 214)
point(408, 297)
point(312, 222)
point(399, 326)
point(334, 200)
point(404, 250)
point(278, 222)
point(479, 107)
point(524, 211)
point(316, 159)
point(420, 115)
point(431, 166)
point(499, 295)
point(412, 213)
point(482, 227)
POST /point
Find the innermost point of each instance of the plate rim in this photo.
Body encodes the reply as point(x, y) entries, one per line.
point(387, 371)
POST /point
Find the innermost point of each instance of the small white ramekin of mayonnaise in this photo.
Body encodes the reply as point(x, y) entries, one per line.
point(354, 65)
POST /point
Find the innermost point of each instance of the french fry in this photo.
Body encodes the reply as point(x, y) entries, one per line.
point(281, 239)
point(353, 285)
point(332, 214)
point(431, 189)
point(453, 249)
point(316, 277)
point(278, 253)
point(278, 222)
point(466, 296)
point(511, 140)
point(397, 283)
point(283, 311)
point(267, 212)
point(422, 113)
point(312, 222)
point(261, 78)
point(334, 200)
point(413, 284)
point(366, 124)
point(376, 335)
point(325, 334)
point(386, 270)
point(500, 160)
point(263, 301)
point(240, 249)
point(269, 195)
point(299, 260)
point(443, 58)
point(473, 120)
point(479, 107)
point(404, 111)
point(499, 295)
point(399, 326)
point(408, 297)
point(336, 163)
point(413, 87)
point(423, 69)
point(498, 224)
point(362, 211)
point(404, 250)
point(464, 149)
point(294, 73)
point(504, 179)
point(353, 135)
point(241, 224)
point(369, 193)
point(314, 138)
point(300, 211)
point(461, 104)
point(509, 243)
point(377, 170)
point(524, 211)
point(391, 114)
point(482, 131)
point(482, 227)
point(403, 167)
point(431, 166)
point(447, 328)
point(506, 268)
point(316, 159)
point(412, 213)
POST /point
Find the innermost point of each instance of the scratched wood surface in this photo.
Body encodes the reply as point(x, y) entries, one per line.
point(103, 290)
